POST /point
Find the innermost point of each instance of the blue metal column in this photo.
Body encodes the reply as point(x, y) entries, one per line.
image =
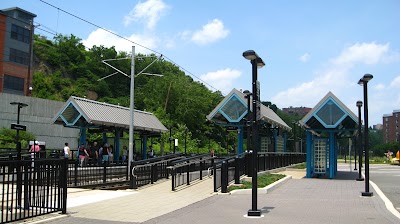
point(240, 140)
point(275, 138)
point(82, 139)
point(105, 138)
point(144, 146)
point(309, 154)
point(284, 142)
point(331, 154)
point(116, 142)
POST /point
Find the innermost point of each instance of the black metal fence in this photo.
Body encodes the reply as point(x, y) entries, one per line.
point(230, 169)
point(187, 170)
point(32, 187)
point(96, 174)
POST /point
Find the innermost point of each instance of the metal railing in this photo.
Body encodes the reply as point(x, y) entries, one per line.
point(144, 174)
point(96, 174)
point(187, 170)
point(230, 169)
point(32, 188)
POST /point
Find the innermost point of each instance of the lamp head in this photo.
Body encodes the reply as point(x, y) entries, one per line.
point(250, 55)
point(359, 103)
point(260, 62)
point(367, 77)
point(247, 92)
point(360, 82)
point(20, 105)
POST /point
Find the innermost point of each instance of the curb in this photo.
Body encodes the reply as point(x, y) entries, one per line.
point(264, 190)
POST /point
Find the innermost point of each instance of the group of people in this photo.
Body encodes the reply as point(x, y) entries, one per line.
point(93, 153)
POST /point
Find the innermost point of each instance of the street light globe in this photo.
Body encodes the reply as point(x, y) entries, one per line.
point(359, 103)
point(367, 77)
point(250, 55)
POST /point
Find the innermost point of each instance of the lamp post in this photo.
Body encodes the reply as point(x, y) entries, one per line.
point(364, 82)
point(360, 151)
point(355, 155)
point(248, 126)
point(256, 61)
point(132, 103)
point(18, 144)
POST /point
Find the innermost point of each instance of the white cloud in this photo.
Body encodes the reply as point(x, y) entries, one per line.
point(305, 57)
point(102, 37)
point(395, 83)
point(366, 53)
point(380, 87)
point(338, 78)
point(222, 79)
point(211, 32)
point(148, 12)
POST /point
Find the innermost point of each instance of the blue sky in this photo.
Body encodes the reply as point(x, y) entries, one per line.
point(309, 47)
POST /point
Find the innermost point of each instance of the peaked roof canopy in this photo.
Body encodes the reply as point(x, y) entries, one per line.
point(234, 107)
point(331, 113)
point(81, 112)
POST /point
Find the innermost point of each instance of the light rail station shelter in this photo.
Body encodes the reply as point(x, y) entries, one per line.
point(327, 122)
point(92, 116)
point(232, 112)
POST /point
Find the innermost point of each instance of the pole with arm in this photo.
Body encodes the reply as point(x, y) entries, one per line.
point(131, 106)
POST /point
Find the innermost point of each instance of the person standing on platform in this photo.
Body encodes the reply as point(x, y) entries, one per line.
point(67, 151)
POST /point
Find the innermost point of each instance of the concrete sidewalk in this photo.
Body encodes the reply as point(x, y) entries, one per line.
point(299, 200)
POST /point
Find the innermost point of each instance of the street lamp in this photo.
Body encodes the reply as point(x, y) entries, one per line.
point(360, 151)
point(256, 61)
point(364, 82)
point(248, 126)
point(294, 135)
point(20, 105)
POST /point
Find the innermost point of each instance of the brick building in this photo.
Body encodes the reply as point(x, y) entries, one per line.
point(16, 38)
point(296, 110)
point(391, 127)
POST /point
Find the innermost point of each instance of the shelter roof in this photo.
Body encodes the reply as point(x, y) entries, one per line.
point(233, 108)
point(331, 113)
point(79, 112)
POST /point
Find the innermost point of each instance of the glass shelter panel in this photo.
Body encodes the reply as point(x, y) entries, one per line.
point(320, 155)
point(330, 113)
point(234, 109)
point(70, 114)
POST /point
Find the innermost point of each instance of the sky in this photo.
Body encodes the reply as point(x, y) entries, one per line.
point(310, 47)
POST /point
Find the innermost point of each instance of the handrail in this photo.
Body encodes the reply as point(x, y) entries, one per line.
point(181, 164)
point(191, 158)
point(151, 164)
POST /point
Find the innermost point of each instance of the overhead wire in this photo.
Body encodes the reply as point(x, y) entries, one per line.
point(124, 38)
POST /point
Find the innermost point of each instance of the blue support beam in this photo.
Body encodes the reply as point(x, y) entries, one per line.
point(275, 139)
point(116, 143)
point(309, 154)
point(331, 155)
point(105, 138)
point(82, 139)
point(284, 142)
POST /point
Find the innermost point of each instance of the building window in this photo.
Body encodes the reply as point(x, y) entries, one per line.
point(20, 33)
point(397, 115)
point(386, 119)
point(13, 84)
point(19, 56)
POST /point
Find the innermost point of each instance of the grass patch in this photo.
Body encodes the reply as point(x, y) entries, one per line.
point(300, 166)
point(262, 181)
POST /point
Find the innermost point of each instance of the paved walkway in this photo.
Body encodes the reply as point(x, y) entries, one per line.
point(299, 200)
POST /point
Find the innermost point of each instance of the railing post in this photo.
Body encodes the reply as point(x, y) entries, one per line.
point(152, 174)
point(26, 185)
point(187, 174)
point(201, 169)
point(237, 170)
point(76, 173)
point(173, 174)
point(224, 177)
point(64, 177)
point(105, 173)
point(214, 175)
